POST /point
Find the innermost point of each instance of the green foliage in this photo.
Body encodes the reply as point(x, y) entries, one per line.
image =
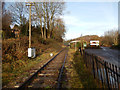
point(78, 44)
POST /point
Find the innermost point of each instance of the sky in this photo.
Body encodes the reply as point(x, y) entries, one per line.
point(89, 18)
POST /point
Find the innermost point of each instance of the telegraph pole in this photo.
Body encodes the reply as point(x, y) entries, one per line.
point(31, 51)
point(29, 4)
point(30, 26)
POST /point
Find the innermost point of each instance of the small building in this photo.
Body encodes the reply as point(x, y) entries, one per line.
point(78, 43)
point(16, 31)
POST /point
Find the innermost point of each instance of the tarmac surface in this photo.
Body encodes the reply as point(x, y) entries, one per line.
point(107, 54)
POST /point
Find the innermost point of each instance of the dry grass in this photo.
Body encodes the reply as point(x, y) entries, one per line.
point(22, 70)
point(84, 73)
point(15, 61)
point(78, 76)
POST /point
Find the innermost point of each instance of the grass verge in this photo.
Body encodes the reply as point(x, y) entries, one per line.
point(77, 75)
point(84, 74)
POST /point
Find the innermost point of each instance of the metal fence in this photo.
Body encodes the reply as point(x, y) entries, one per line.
point(107, 73)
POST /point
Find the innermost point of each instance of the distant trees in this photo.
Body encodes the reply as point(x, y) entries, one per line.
point(119, 37)
point(59, 30)
point(110, 38)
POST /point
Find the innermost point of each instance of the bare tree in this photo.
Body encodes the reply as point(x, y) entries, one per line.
point(118, 37)
point(6, 22)
point(47, 12)
point(44, 16)
point(110, 37)
point(56, 9)
point(39, 14)
point(6, 17)
point(19, 10)
point(60, 30)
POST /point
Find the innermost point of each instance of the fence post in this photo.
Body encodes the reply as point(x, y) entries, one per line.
point(97, 67)
point(86, 59)
point(114, 77)
point(111, 80)
point(106, 74)
point(117, 76)
point(101, 74)
point(93, 66)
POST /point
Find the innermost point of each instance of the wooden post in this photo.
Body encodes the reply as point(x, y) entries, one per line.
point(30, 5)
point(97, 67)
point(117, 76)
point(101, 74)
point(30, 26)
point(106, 73)
point(93, 65)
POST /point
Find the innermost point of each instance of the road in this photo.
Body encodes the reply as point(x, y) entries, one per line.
point(109, 55)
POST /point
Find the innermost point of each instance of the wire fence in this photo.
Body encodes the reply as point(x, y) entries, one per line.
point(105, 72)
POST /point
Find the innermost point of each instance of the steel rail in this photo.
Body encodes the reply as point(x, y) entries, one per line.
point(29, 80)
point(61, 73)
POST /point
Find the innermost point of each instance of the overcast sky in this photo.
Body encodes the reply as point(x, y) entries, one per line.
point(90, 18)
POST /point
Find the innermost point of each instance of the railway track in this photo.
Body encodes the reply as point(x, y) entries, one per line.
point(49, 75)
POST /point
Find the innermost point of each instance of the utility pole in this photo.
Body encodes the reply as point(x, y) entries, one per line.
point(29, 4)
point(31, 51)
point(30, 26)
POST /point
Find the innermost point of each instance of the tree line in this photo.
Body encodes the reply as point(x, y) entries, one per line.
point(110, 38)
point(46, 21)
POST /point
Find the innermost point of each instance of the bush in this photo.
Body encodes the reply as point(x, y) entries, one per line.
point(115, 47)
point(14, 49)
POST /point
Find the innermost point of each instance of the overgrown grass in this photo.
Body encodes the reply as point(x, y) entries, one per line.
point(16, 49)
point(15, 61)
point(85, 78)
point(73, 77)
point(20, 68)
